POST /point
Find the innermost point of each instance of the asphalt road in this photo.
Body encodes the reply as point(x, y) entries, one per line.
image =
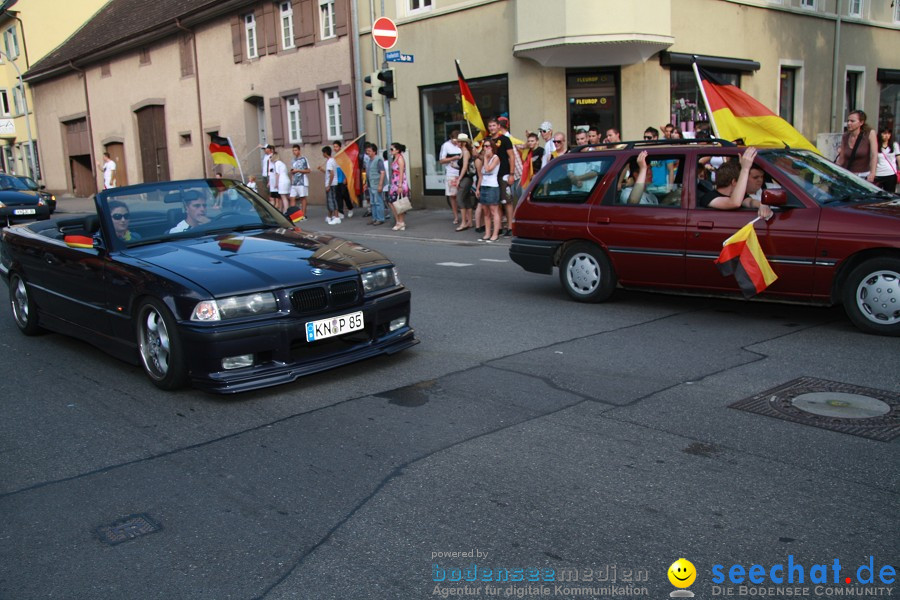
point(525, 429)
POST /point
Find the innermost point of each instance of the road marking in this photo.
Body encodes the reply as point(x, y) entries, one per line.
point(455, 264)
point(500, 260)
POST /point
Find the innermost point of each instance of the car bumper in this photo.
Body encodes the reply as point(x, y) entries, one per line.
point(281, 352)
point(13, 214)
point(535, 256)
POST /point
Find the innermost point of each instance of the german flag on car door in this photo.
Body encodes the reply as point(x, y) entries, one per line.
point(742, 257)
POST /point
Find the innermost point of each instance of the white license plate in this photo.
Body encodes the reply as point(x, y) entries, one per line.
point(25, 211)
point(326, 328)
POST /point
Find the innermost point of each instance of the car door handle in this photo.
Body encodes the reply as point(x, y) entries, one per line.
point(603, 221)
point(705, 224)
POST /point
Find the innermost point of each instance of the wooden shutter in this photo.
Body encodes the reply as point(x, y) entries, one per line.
point(186, 52)
point(305, 22)
point(236, 46)
point(348, 115)
point(268, 25)
point(340, 17)
point(276, 106)
point(311, 117)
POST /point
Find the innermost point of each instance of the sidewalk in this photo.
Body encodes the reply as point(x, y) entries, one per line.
point(421, 224)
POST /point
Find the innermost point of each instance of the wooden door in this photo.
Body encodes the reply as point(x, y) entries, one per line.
point(154, 151)
point(117, 153)
point(83, 183)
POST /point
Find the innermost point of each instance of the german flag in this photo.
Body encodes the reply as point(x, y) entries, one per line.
point(470, 110)
point(230, 243)
point(348, 160)
point(221, 150)
point(79, 241)
point(738, 116)
point(527, 170)
point(742, 257)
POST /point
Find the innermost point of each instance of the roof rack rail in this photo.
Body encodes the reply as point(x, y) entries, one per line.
point(650, 143)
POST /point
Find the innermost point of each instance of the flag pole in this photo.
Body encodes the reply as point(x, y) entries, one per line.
point(468, 125)
point(709, 112)
point(240, 170)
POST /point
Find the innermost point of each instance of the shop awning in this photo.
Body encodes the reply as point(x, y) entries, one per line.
point(723, 63)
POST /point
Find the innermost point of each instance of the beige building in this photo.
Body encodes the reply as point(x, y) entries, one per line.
point(610, 63)
point(150, 82)
point(30, 29)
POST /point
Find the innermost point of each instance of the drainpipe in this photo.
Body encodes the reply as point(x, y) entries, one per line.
point(90, 125)
point(835, 79)
point(357, 68)
point(197, 85)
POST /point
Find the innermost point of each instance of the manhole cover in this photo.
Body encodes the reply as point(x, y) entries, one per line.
point(128, 528)
point(842, 407)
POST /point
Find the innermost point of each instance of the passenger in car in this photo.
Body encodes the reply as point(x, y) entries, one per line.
point(634, 187)
point(731, 187)
point(121, 218)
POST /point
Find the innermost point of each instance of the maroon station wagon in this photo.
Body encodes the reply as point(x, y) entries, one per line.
point(834, 238)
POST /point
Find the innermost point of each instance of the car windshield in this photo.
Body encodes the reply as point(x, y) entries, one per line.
point(149, 213)
point(30, 183)
point(11, 183)
point(824, 181)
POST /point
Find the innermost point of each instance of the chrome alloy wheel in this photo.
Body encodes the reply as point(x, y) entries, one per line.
point(155, 346)
point(19, 301)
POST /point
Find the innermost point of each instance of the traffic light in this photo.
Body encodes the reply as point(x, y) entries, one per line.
point(387, 90)
point(377, 103)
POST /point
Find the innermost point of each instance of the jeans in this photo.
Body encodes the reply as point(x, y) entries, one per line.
point(376, 200)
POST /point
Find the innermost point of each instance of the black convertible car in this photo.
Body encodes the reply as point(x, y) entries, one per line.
point(202, 281)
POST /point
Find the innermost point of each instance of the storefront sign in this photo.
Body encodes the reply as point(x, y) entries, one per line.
point(7, 127)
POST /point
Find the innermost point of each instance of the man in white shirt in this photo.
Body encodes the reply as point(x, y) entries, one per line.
point(450, 153)
point(546, 131)
point(109, 172)
point(268, 170)
point(194, 212)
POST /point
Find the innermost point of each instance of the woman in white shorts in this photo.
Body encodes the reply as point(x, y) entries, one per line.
point(284, 182)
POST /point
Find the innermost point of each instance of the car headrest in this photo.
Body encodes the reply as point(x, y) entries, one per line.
point(190, 196)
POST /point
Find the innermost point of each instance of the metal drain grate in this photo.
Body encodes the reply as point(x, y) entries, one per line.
point(128, 528)
point(841, 407)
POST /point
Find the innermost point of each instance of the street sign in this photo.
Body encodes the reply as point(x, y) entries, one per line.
point(397, 56)
point(384, 32)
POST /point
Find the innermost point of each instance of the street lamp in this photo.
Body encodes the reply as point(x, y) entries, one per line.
point(28, 167)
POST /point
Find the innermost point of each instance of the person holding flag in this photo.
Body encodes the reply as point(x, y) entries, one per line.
point(731, 187)
point(470, 110)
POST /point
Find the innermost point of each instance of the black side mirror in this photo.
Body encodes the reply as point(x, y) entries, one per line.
point(776, 197)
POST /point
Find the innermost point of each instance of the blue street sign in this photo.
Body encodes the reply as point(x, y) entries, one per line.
point(397, 56)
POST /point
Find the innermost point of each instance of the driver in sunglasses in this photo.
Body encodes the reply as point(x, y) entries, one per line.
point(120, 218)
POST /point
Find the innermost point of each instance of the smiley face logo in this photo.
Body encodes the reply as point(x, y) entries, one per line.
point(682, 573)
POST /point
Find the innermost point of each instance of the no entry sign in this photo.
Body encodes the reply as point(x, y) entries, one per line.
point(384, 32)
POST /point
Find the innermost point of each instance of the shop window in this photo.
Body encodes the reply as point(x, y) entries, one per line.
point(592, 100)
point(442, 112)
point(688, 109)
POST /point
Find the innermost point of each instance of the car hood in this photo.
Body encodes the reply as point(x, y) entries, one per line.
point(230, 264)
point(19, 197)
point(865, 219)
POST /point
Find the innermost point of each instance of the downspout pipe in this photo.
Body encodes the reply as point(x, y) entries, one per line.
point(90, 124)
point(835, 77)
point(202, 143)
point(357, 69)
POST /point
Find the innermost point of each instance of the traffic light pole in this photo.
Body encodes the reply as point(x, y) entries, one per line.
point(387, 112)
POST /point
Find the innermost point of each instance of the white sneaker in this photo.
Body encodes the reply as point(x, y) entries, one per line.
point(340, 216)
point(329, 220)
point(336, 221)
point(349, 213)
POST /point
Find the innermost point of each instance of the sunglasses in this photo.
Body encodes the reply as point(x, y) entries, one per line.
point(648, 137)
point(120, 216)
point(199, 205)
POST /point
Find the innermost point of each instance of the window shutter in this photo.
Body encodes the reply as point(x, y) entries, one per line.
point(185, 48)
point(268, 25)
point(305, 28)
point(260, 20)
point(340, 17)
point(237, 47)
point(348, 115)
point(311, 117)
point(276, 107)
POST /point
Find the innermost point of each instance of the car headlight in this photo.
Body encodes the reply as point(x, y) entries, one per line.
point(234, 307)
point(380, 279)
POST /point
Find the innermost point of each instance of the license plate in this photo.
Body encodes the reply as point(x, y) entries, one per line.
point(25, 211)
point(326, 328)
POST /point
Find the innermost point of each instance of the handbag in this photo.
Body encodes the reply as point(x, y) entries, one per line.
point(402, 205)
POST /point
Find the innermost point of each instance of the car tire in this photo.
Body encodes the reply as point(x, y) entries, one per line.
point(159, 345)
point(871, 296)
point(586, 273)
point(23, 308)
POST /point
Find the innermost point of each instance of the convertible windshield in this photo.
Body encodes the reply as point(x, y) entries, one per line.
point(143, 214)
point(823, 180)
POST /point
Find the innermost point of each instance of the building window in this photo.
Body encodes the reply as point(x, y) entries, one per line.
point(287, 25)
point(4, 103)
point(293, 120)
point(326, 18)
point(250, 30)
point(896, 12)
point(333, 114)
point(11, 42)
point(688, 109)
point(855, 9)
point(18, 101)
point(852, 88)
point(416, 6)
point(808, 4)
point(442, 112)
point(786, 94)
